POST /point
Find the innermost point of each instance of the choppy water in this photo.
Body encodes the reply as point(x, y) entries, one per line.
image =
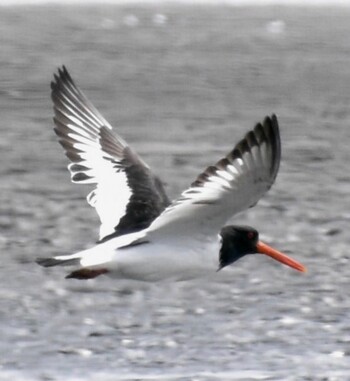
point(182, 85)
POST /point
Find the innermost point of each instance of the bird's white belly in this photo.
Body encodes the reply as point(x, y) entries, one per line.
point(166, 261)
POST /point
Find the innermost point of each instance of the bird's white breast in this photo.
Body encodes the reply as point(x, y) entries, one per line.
point(167, 259)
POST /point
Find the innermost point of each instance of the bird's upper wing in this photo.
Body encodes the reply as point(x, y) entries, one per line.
point(127, 196)
point(233, 184)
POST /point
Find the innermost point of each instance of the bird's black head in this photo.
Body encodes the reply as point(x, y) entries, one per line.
point(236, 242)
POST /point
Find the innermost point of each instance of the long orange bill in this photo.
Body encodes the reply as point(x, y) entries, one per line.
point(262, 248)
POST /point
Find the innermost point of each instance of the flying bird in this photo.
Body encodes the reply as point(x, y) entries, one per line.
point(144, 236)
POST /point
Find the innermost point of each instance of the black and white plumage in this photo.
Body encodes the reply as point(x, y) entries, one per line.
point(127, 197)
point(142, 236)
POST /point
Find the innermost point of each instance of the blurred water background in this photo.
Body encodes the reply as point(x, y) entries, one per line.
point(182, 84)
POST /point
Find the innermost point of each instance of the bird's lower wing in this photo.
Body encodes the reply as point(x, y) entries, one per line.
point(233, 184)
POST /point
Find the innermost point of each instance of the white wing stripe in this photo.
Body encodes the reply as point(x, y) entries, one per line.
point(249, 162)
point(83, 116)
point(227, 176)
point(93, 147)
point(232, 169)
point(239, 169)
point(105, 195)
point(212, 184)
point(266, 155)
point(82, 140)
point(256, 155)
point(71, 117)
point(91, 110)
point(74, 117)
point(79, 130)
point(240, 162)
point(219, 180)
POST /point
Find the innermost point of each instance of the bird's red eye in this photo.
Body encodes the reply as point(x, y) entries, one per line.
point(250, 235)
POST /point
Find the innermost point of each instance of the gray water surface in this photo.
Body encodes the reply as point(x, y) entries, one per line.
point(182, 91)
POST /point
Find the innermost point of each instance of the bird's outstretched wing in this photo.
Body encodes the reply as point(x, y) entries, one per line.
point(233, 184)
point(127, 196)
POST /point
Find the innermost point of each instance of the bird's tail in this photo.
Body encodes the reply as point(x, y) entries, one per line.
point(88, 266)
point(60, 260)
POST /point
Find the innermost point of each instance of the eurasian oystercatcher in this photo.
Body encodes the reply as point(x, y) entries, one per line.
point(142, 235)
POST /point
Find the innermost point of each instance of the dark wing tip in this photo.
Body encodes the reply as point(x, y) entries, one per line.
point(63, 72)
point(61, 78)
point(272, 133)
point(267, 132)
point(49, 262)
point(277, 143)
